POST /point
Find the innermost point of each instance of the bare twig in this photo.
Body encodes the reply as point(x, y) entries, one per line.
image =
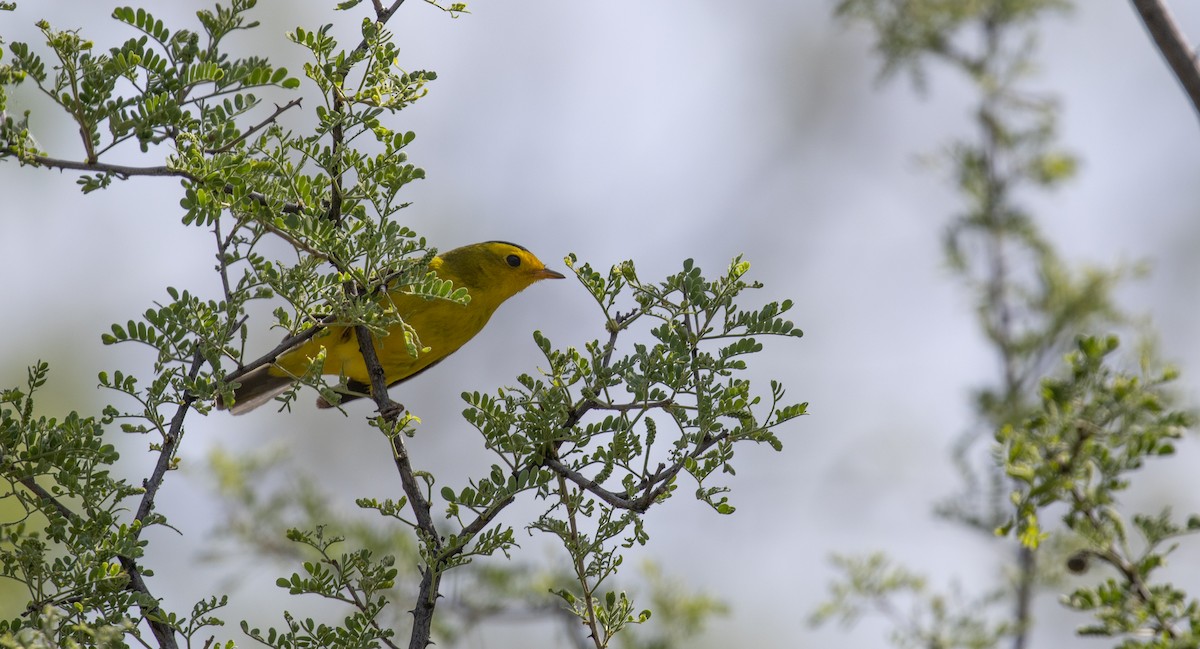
point(1173, 45)
point(126, 171)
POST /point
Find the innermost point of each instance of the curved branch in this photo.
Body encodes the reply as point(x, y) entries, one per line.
point(651, 487)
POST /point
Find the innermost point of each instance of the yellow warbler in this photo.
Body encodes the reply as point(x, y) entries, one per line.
point(492, 272)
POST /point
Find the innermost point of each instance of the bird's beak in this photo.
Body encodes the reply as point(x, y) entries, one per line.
point(546, 273)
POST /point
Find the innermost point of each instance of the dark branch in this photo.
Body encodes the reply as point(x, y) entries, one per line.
point(1173, 45)
point(431, 574)
point(280, 349)
point(386, 14)
point(161, 630)
point(651, 487)
point(36, 489)
point(476, 526)
point(124, 171)
point(166, 458)
point(169, 444)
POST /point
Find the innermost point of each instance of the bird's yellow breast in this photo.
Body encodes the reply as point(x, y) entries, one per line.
point(441, 326)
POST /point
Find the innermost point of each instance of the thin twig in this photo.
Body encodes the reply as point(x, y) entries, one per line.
point(651, 487)
point(360, 604)
point(577, 563)
point(123, 171)
point(636, 405)
point(287, 344)
point(279, 110)
point(1173, 45)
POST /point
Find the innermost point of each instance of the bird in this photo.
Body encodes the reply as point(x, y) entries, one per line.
point(491, 271)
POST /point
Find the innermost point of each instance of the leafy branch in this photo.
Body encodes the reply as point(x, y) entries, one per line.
point(1031, 306)
point(603, 433)
point(1095, 427)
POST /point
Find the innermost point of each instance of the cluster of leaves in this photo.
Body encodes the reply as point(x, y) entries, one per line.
point(1096, 427)
point(920, 617)
point(151, 89)
point(585, 434)
point(1068, 439)
point(77, 543)
point(68, 545)
point(591, 417)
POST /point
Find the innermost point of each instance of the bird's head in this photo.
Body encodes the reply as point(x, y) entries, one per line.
point(494, 270)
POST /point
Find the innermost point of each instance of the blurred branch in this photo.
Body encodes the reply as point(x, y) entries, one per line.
point(1173, 45)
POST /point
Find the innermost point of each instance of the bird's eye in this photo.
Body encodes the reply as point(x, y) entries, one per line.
point(513, 261)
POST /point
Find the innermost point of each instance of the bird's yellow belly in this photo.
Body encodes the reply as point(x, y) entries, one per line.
point(441, 326)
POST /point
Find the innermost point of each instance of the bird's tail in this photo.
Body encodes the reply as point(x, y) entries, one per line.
point(257, 387)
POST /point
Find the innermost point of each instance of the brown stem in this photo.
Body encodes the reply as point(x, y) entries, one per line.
point(162, 632)
point(577, 563)
point(651, 488)
point(120, 170)
point(389, 410)
point(1173, 45)
point(257, 127)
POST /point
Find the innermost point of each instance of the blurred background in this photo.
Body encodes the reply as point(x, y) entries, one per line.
point(659, 131)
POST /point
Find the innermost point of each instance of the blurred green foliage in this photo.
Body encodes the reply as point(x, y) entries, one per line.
point(1049, 436)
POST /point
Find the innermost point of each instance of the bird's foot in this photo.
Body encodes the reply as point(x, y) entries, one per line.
point(390, 410)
